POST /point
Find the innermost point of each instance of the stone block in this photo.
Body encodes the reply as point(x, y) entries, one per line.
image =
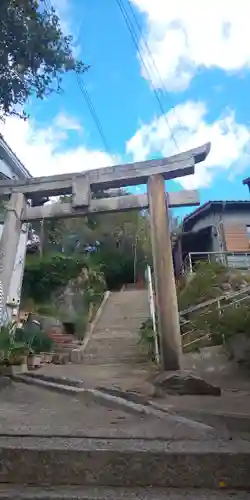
point(60, 358)
point(184, 383)
point(239, 348)
point(4, 382)
point(76, 356)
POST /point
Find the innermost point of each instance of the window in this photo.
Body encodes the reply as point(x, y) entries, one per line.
point(248, 233)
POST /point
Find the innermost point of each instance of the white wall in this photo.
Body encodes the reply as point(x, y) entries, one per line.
point(6, 170)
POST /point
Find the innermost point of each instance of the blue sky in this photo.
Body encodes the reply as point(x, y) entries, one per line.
point(202, 57)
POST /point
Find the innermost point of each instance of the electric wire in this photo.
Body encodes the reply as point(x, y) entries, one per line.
point(88, 100)
point(146, 45)
point(136, 42)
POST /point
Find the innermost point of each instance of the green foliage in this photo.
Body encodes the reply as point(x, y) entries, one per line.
point(146, 338)
point(204, 285)
point(12, 350)
point(45, 282)
point(123, 242)
point(35, 340)
point(44, 275)
point(34, 53)
point(81, 324)
point(224, 324)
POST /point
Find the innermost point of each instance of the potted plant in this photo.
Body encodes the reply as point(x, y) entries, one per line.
point(13, 354)
point(39, 344)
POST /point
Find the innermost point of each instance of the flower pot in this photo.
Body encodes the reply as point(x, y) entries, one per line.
point(42, 357)
point(33, 361)
point(48, 357)
point(37, 361)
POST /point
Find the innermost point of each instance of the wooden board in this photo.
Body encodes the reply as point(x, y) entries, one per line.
point(236, 238)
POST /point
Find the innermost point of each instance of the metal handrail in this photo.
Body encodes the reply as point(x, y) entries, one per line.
point(151, 300)
point(234, 303)
point(188, 264)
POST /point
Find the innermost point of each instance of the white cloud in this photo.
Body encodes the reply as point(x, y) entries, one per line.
point(186, 35)
point(47, 151)
point(66, 122)
point(63, 11)
point(68, 22)
point(230, 141)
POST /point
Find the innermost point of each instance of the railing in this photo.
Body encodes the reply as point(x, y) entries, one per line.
point(235, 260)
point(151, 301)
point(220, 303)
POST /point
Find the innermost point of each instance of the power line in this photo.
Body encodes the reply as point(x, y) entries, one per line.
point(136, 42)
point(163, 86)
point(93, 112)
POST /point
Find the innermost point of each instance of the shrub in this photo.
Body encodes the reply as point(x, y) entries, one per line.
point(45, 275)
point(36, 341)
point(205, 285)
point(224, 324)
point(147, 337)
point(11, 350)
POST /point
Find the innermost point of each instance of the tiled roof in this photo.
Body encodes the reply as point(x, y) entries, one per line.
point(216, 205)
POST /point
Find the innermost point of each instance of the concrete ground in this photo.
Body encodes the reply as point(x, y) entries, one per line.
point(117, 494)
point(124, 376)
point(210, 363)
point(32, 411)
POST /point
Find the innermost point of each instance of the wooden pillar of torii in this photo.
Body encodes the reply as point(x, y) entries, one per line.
point(167, 306)
point(81, 186)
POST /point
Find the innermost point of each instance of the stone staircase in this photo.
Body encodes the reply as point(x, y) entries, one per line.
point(115, 337)
point(61, 339)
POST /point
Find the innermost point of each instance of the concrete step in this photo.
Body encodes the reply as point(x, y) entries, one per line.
point(96, 462)
point(121, 333)
point(111, 354)
point(95, 361)
point(119, 324)
point(90, 493)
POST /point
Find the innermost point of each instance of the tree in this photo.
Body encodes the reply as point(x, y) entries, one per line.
point(34, 53)
point(119, 243)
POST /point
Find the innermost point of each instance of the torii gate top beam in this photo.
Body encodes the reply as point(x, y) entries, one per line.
point(117, 176)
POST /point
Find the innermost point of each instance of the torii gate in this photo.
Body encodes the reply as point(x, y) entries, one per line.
point(81, 186)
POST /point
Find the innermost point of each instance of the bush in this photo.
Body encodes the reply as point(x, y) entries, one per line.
point(45, 275)
point(205, 285)
point(11, 350)
point(147, 337)
point(36, 341)
point(224, 324)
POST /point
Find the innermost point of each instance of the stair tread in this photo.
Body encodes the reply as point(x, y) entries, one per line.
point(116, 493)
point(115, 336)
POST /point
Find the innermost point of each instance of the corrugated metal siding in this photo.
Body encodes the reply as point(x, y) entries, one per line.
point(236, 238)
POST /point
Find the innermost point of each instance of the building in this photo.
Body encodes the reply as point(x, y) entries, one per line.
point(10, 166)
point(218, 230)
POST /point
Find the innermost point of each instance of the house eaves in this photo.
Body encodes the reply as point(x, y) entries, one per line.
point(9, 157)
point(213, 207)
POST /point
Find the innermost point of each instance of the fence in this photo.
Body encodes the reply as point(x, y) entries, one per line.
point(152, 308)
point(235, 260)
point(220, 303)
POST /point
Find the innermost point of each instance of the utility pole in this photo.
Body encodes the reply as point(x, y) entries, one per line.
point(167, 306)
